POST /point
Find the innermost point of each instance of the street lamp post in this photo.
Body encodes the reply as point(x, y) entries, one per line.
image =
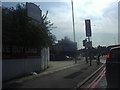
point(73, 20)
point(73, 27)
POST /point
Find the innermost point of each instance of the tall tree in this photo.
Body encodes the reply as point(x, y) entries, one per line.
point(18, 29)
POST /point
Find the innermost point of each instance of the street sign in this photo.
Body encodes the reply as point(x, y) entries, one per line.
point(88, 27)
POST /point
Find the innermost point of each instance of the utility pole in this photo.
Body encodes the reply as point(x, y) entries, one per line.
point(73, 20)
point(73, 27)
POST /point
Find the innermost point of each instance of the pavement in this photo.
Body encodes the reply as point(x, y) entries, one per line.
point(55, 66)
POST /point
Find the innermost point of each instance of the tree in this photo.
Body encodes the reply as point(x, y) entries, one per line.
point(18, 29)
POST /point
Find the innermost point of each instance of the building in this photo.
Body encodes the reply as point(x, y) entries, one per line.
point(63, 48)
point(119, 22)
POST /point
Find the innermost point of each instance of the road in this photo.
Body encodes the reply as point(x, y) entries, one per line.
point(98, 80)
point(102, 83)
point(67, 78)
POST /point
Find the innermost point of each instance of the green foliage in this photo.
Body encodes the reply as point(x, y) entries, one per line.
point(19, 30)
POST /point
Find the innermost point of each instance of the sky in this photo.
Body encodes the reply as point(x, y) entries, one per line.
point(102, 13)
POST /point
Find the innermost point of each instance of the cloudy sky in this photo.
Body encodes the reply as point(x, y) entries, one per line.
point(103, 15)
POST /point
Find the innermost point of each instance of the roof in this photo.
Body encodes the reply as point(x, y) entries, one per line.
point(115, 48)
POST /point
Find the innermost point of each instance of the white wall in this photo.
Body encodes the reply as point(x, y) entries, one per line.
point(19, 67)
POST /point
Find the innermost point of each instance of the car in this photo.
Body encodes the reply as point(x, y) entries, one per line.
point(68, 57)
point(113, 68)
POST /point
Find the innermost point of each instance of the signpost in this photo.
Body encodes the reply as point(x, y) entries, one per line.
point(87, 43)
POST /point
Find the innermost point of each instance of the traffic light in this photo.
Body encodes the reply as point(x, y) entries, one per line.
point(84, 42)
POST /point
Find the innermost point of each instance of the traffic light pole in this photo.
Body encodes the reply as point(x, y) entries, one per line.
point(89, 50)
point(88, 44)
point(86, 56)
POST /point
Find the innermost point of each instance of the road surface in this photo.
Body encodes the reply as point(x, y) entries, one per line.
point(98, 80)
point(67, 78)
point(102, 83)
